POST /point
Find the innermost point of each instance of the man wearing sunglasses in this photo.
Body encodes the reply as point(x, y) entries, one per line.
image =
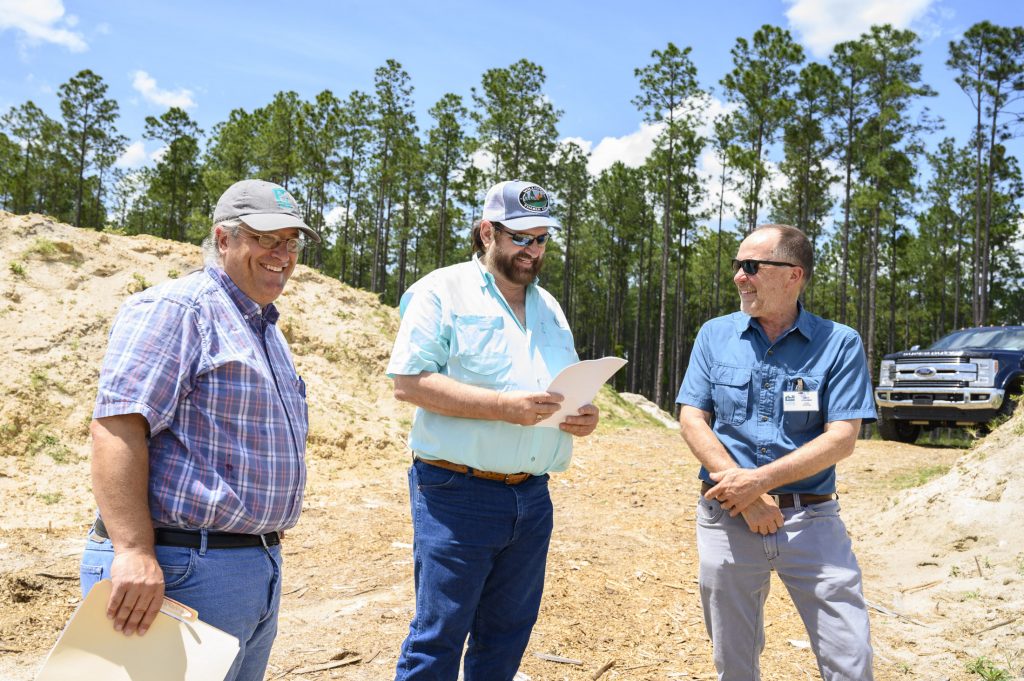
point(478, 344)
point(773, 398)
point(199, 435)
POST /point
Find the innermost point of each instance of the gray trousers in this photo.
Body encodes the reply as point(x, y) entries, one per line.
point(813, 557)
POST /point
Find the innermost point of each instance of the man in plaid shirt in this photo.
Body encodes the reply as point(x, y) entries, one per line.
point(199, 434)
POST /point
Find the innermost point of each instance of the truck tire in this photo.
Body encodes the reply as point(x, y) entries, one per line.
point(898, 431)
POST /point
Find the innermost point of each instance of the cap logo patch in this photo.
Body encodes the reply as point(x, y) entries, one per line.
point(284, 199)
point(534, 199)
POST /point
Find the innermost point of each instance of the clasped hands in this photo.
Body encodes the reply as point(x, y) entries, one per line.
point(741, 491)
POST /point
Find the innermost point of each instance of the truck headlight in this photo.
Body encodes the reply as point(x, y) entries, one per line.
point(887, 374)
point(987, 370)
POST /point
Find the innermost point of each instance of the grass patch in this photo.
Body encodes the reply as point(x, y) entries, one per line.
point(16, 268)
point(41, 442)
point(42, 247)
point(919, 476)
point(173, 274)
point(618, 413)
point(984, 668)
point(50, 498)
point(138, 283)
point(40, 381)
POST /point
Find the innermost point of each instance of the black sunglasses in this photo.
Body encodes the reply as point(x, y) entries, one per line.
point(751, 266)
point(522, 239)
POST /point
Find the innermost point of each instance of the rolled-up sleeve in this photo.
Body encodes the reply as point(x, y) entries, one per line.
point(151, 362)
point(423, 340)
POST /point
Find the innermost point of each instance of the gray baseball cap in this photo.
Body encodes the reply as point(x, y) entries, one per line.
point(262, 206)
point(518, 205)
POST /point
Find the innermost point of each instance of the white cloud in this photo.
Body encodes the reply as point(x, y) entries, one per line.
point(632, 149)
point(145, 84)
point(41, 21)
point(133, 157)
point(158, 155)
point(820, 24)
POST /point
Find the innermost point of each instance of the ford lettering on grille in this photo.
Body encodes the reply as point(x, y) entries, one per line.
point(924, 372)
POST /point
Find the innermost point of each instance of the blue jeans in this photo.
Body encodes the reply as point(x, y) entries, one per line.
point(479, 551)
point(235, 590)
point(813, 557)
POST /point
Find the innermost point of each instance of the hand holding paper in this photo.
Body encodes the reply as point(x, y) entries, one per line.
point(578, 384)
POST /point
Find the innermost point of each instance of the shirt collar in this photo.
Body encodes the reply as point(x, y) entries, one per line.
point(249, 308)
point(805, 322)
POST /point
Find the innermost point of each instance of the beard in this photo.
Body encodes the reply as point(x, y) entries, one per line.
point(513, 266)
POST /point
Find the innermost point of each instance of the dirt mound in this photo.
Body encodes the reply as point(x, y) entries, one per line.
point(949, 554)
point(943, 561)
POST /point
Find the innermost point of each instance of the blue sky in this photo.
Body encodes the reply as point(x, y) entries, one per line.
point(210, 57)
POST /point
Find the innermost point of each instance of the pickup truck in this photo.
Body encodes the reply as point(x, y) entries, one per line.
point(967, 378)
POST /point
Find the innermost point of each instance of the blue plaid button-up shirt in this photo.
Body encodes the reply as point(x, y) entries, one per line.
point(213, 376)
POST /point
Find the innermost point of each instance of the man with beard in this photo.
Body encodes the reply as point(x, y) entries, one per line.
point(478, 343)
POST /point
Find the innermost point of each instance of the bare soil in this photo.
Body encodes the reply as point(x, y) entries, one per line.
point(943, 559)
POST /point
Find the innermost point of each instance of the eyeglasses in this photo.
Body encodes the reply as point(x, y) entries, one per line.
point(522, 239)
point(751, 266)
point(271, 242)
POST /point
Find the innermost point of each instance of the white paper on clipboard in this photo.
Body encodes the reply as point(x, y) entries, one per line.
point(578, 383)
point(177, 647)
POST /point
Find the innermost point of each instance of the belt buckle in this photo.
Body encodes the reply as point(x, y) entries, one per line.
point(507, 476)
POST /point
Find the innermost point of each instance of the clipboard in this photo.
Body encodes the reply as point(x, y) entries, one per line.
point(177, 647)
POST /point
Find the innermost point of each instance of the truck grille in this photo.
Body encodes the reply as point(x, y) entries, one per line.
point(901, 383)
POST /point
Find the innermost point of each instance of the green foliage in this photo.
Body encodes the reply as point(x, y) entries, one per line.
point(51, 498)
point(138, 283)
point(919, 476)
point(639, 264)
point(984, 668)
point(16, 268)
point(43, 248)
point(41, 442)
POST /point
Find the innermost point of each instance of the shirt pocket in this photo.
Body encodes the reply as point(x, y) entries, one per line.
point(557, 348)
point(481, 348)
point(804, 421)
point(731, 393)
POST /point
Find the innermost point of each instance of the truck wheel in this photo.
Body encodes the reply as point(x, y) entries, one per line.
point(898, 431)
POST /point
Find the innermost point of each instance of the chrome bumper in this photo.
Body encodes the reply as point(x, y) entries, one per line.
point(965, 398)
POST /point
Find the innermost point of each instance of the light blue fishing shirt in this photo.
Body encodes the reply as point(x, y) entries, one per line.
point(456, 322)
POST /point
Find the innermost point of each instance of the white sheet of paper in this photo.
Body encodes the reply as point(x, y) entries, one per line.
point(578, 384)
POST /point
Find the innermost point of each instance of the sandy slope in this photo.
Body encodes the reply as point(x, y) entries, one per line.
point(944, 562)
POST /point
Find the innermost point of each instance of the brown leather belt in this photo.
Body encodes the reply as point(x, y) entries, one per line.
point(507, 478)
point(786, 500)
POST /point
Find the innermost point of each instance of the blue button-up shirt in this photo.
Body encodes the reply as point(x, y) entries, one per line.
point(737, 374)
point(456, 322)
point(212, 375)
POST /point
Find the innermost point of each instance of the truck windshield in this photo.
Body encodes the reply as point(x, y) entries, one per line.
point(1011, 339)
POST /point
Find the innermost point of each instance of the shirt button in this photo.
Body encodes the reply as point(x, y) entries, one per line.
point(771, 352)
point(764, 450)
point(764, 418)
point(767, 385)
point(533, 458)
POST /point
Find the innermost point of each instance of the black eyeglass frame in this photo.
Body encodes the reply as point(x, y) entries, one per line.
point(521, 240)
point(750, 265)
point(293, 245)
